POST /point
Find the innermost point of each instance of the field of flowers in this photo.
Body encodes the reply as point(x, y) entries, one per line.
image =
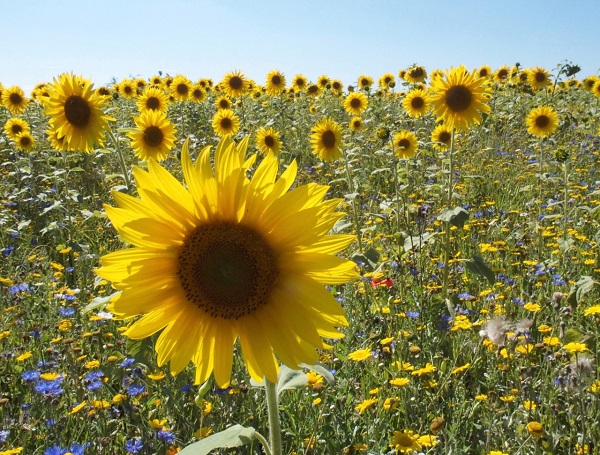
point(433, 270)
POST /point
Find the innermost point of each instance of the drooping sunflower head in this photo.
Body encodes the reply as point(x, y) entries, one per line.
point(441, 136)
point(415, 103)
point(415, 74)
point(326, 138)
point(542, 121)
point(365, 82)
point(275, 83)
point(460, 98)
point(225, 123)
point(24, 141)
point(356, 103)
point(267, 141)
point(299, 83)
point(405, 144)
point(14, 126)
point(228, 259)
point(13, 99)
point(153, 99)
point(154, 136)
point(234, 84)
point(538, 78)
point(355, 124)
point(76, 113)
point(180, 88)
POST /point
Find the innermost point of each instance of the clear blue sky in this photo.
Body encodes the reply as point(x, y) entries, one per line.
point(339, 38)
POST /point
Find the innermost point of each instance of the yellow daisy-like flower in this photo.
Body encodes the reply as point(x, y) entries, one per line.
point(76, 113)
point(226, 259)
point(299, 83)
point(153, 99)
point(405, 441)
point(365, 82)
point(13, 98)
point(542, 121)
point(181, 88)
point(355, 123)
point(267, 141)
point(225, 122)
point(366, 404)
point(415, 103)
point(405, 144)
point(538, 78)
point(24, 141)
point(535, 429)
point(441, 136)
point(234, 84)
point(459, 98)
point(154, 136)
point(575, 348)
point(595, 309)
point(326, 138)
point(15, 126)
point(356, 103)
point(360, 355)
point(275, 83)
point(415, 75)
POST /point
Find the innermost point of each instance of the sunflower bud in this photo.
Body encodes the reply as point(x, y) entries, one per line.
point(561, 155)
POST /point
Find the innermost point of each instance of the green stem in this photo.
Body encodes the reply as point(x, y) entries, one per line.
point(353, 203)
point(115, 142)
point(274, 423)
point(447, 224)
point(566, 200)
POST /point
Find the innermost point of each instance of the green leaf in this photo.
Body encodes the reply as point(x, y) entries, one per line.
point(320, 369)
point(100, 301)
point(370, 259)
point(234, 436)
point(416, 242)
point(290, 379)
point(572, 336)
point(579, 289)
point(456, 217)
point(477, 265)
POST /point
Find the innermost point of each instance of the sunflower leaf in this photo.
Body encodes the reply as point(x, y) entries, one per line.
point(290, 379)
point(477, 265)
point(456, 216)
point(234, 436)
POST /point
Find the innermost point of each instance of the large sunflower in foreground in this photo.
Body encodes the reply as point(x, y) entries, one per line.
point(459, 98)
point(154, 136)
point(542, 121)
point(76, 113)
point(326, 139)
point(227, 259)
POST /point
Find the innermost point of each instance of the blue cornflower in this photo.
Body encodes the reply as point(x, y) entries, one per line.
point(95, 385)
point(167, 436)
point(94, 375)
point(127, 362)
point(66, 311)
point(4, 435)
point(136, 389)
point(134, 445)
point(6, 251)
point(412, 314)
point(30, 375)
point(50, 388)
point(18, 288)
point(55, 450)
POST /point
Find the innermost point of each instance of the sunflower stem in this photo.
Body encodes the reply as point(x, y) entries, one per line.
point(115, 142)
point(352, 202)
point(447, 224)
point(274, 422)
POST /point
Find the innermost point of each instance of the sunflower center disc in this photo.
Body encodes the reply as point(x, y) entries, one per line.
point(152, 103)
point(182, 89)
point(417, 102)
point(404, 144)
point(226, 123)
point(445, 137)
point(227, 270)
point(15, 99)
point(153, 136)
point(542, 121)
point(328, 139)
point(355, 103)
point(540, 77)
point(269, 141)
point(236, 83)
point(458, 98)
point(77, 111)
point(276, 80)
point(16, 129)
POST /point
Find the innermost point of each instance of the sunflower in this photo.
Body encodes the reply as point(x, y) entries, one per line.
point(365, 82)
point(154, 136)
point(337, 86)
point(441, 137)
point(542, 121)
point(180, 88)
point(225, 122)
point(223, 103)
point(387, 81)
point(14, 126)
point(197, 93)
point(156, 80)
point(596, 88)
point(415, 103)
point(234, 84)
point(538, 78)
point(459, 98)
point(405, 442)
point(267, 141)
point(502, 74)
point(405, 144)
point(415, 75)
point(356, 103)
point(24, 141)
point(127, 88)
point(299, 82)
point(13, 98)
point(56, 142)
point(323, 82)
point(152, 99)
point(313, 90)
point(275, 83)
point(326, 138)
point(104, 91)
point(484, 71)
point(228, 259)
point(76, 113)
